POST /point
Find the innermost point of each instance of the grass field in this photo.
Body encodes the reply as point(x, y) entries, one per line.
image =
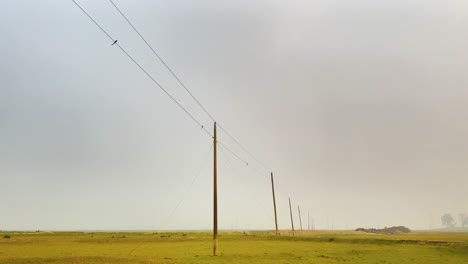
point(251, 247)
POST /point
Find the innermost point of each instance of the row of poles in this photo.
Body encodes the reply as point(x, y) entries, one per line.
point(215, 168)
point(215, 200)
point(292, 220)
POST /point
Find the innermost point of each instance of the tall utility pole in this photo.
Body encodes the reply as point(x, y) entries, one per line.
point(274, 203)
point(215, 196)
point(290, 211)
point(300, 220)
point(308, 221)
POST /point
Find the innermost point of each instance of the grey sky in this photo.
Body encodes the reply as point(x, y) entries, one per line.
point(359, 108)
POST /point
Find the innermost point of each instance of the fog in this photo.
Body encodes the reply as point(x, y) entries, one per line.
point(358, 107)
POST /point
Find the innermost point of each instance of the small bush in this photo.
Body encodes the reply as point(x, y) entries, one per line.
point(6, 236)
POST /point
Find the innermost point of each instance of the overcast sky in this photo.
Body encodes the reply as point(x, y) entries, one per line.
point(359, 107)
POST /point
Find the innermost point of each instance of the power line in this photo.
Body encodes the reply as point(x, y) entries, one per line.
point(238, 143)
point(141, 68)
point(184, 86)
point(233, 153)
point(96, 23)
point(163, 62)
point(239, 158)
point(165, 91)
point(237, 174)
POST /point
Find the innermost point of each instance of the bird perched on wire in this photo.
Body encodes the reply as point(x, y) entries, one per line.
point(114, 42)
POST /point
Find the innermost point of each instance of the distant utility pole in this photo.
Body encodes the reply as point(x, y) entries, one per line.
point(308, 221)
point(300, 220)
point(215, 196)
point(290, 211)
point(274, 203)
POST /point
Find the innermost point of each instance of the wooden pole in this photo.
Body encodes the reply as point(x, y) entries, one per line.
point(215, 196)
point(308, 221)
point(300, 220)
point(290, 211)
point(274, 203)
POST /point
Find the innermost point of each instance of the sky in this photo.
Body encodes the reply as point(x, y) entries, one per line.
point(358, 107)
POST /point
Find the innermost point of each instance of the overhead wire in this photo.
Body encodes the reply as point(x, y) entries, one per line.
point(167, 93)
point(158, 84)
point(162, 60)
point(142, 69)
point(183, 85)
point(242, 160)
point(237, 174)
point(277, 190)
point(248, 152)
point(233, 153)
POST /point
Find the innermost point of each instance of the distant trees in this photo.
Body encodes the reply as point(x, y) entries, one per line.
point(447, 220)
point(463, 220)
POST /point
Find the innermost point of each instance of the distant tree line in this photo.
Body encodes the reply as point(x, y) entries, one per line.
point(449, 222)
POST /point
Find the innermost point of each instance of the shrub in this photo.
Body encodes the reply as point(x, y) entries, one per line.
point(6, 236)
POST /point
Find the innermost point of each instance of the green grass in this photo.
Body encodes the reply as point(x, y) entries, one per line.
point(254, 247)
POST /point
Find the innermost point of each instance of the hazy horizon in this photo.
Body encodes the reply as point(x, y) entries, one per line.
point(358, 107)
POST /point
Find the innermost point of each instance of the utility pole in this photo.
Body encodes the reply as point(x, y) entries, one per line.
point(215, 196)
point(300, 220)
point(290, 211)
point(274, 203)
point(308, 221)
